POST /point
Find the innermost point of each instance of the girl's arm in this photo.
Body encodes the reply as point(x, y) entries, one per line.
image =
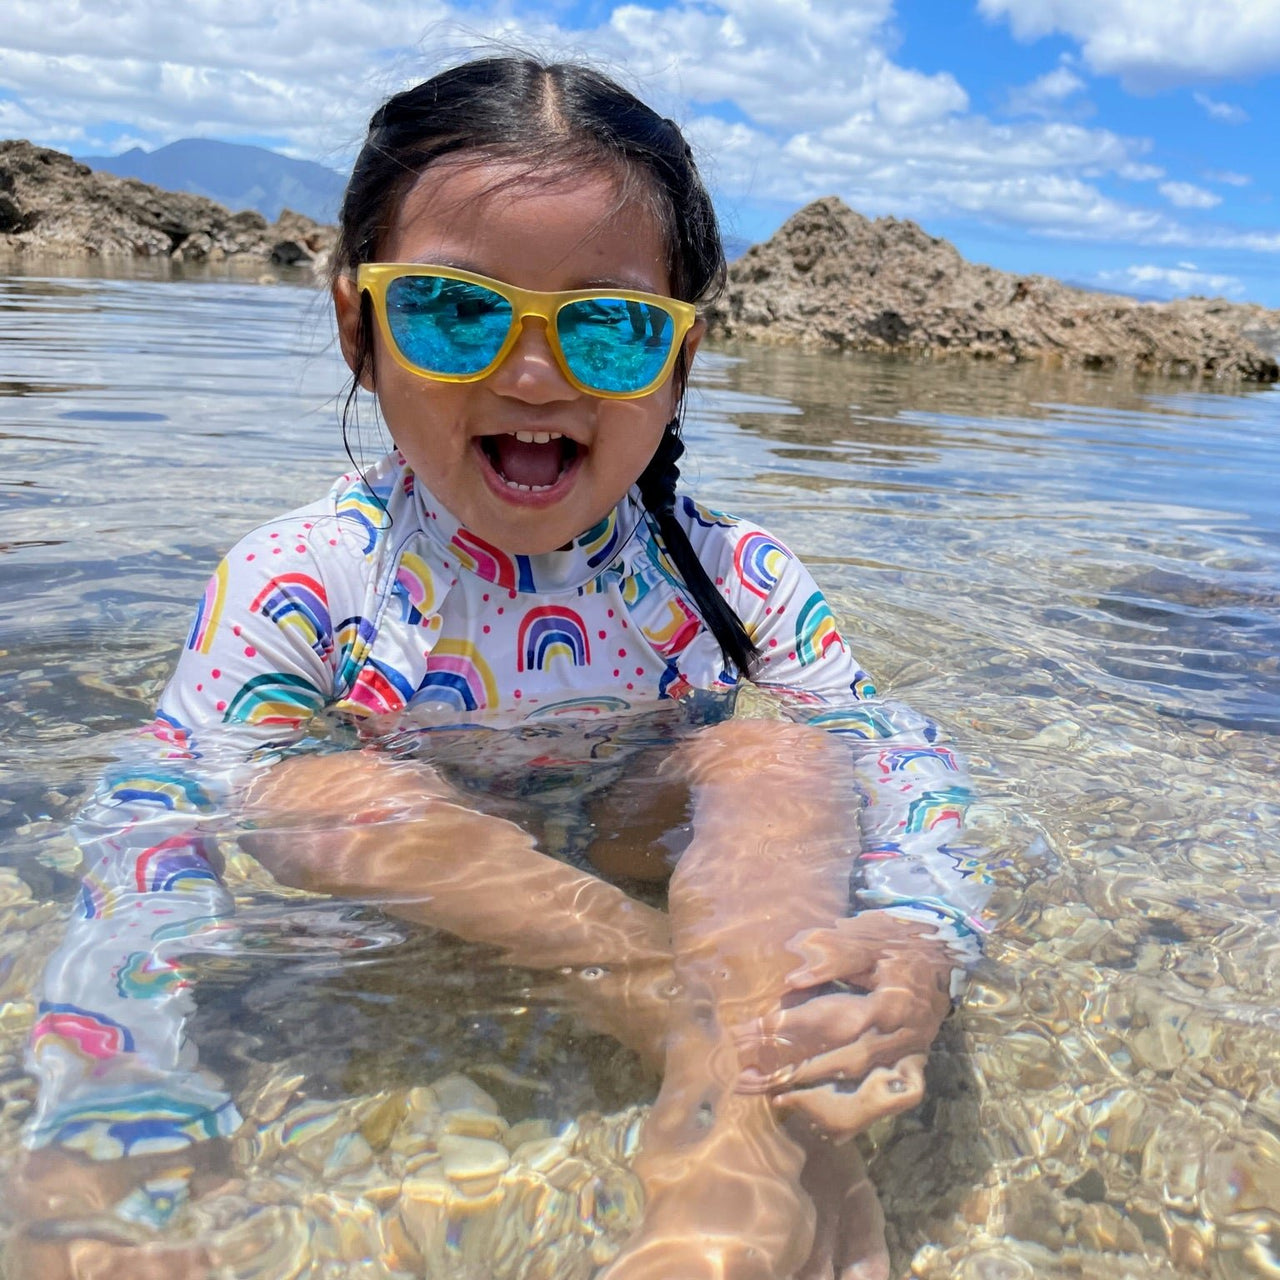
point(116, 1071)
point(363, 825)
point(917, 892)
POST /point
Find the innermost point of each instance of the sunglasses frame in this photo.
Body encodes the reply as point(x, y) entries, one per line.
point(374, 278)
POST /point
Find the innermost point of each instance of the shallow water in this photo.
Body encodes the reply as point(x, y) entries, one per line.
point(1078, 575)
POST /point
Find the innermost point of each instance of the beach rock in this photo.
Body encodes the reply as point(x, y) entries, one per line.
point(51, 204)
point(831, 278)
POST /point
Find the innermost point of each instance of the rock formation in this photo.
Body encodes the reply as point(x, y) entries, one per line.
point(830, 277)
point(51, 204)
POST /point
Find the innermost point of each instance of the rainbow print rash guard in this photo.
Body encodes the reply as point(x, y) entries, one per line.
point(375, 601)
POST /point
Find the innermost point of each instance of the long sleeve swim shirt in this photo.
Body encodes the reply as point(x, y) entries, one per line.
point(374, 600)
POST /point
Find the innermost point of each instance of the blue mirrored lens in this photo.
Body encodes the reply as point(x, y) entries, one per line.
point(446, 326)
point(612, 344)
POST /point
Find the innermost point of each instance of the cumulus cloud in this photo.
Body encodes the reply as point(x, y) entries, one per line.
point(1137, 172)
point(1047, 93)
point(787, 99)
point(1155, 43)
point(1226, 112)
point(1186, 195)
point(1228, 178)
point(1171, 282)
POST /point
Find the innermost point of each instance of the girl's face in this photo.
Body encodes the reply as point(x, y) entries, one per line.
point(463, 439)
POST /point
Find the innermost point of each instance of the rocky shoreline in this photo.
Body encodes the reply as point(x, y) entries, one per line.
point(52, 205)
point(828, 278)
point(831, 278)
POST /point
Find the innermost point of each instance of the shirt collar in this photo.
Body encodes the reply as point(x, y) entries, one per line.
point(568, 568)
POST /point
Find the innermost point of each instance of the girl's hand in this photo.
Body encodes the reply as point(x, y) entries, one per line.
point(63, 1209)
point(842, 1059)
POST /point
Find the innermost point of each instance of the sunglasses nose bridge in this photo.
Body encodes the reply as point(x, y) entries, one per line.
point(546, 352)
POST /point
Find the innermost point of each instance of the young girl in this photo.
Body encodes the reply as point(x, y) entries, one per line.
point(522, 252)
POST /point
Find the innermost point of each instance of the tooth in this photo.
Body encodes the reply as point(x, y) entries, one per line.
point(538, 437)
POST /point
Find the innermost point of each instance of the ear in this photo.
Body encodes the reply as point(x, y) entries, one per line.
point(692, 340)
point(346, 306)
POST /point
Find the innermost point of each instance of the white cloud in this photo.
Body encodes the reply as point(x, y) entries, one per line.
point(1227, 178)
point(1226, 112)
point(1140, 172)
point(1186, 195)
point(1155, 43)
point(1171, 282)
point(1046, 93)
point(787, 99)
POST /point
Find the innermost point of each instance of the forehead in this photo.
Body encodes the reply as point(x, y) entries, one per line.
point(561, 231)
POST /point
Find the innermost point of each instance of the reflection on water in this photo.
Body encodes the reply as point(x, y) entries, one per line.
point(1079, 575)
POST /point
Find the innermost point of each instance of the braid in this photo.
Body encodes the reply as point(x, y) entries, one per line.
point(658, 489)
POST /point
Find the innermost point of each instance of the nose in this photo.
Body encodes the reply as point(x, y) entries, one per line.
point(530, 371)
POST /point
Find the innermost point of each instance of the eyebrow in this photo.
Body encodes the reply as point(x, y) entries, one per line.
point(630, 283)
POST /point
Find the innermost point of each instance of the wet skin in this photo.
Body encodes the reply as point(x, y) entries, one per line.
point(548, 235)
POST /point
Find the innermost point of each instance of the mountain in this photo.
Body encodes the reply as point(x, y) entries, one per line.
point(830, 277)
point(232, 174)
point(52, 205)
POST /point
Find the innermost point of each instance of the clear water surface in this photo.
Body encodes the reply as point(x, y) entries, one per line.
point(1078, 575)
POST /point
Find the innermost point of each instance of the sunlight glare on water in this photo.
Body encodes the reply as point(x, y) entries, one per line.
point(1077, 575)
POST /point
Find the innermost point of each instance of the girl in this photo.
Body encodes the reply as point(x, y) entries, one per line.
point(522, 252)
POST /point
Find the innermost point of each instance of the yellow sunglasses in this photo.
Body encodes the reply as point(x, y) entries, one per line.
point(454, 326)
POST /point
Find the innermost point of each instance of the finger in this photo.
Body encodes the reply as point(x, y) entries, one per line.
point(841, 1113)
point(831, 955)
point(772, 1048)
point(874, 1049)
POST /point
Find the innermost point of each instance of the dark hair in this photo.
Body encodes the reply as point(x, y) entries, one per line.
point(554, 119)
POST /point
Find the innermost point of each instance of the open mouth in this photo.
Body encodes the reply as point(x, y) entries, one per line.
point(530, 461)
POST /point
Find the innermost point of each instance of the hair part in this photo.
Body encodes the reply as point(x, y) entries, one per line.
point(553, 122)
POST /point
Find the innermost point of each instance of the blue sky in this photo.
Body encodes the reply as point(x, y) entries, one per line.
point(1121, 144)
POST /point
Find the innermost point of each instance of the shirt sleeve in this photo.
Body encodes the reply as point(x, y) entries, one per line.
point(914, 789)
point(117, 1073)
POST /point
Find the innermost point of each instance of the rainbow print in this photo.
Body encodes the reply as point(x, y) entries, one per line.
point(601, 541)
point(93, 1036)
point(550, 632)
point(459, 676)
point(815, 630)
point(634, 589)
point(141, 1124)
point(415, 588)
point(706, 518)
point(673, 684)
point(366, 509)
point(209, 611)
point(144, 976)
point(862, 686)
point(173, 791)
point(173, 733)
point(512, 573)
point(672, 633)
point(96, 900)
point(917, 760)
point(856, 722)
point(188, 928)
point(378, 690)
point(171, 865)
point(759, 563)
point(353, 637)
point(297, 602)
point(605, 705)
point(973, 864)
point(931, 809)
point(275, 697)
